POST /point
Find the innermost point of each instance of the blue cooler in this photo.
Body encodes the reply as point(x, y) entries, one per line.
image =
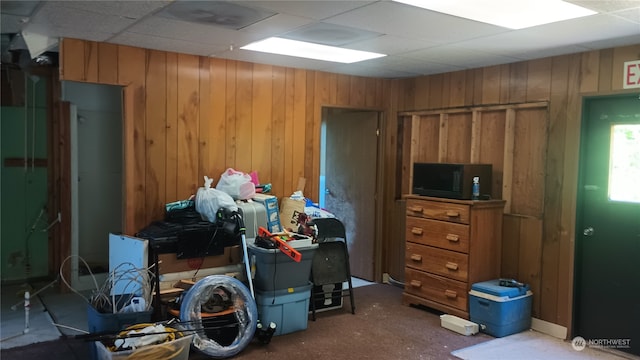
point(500, 310)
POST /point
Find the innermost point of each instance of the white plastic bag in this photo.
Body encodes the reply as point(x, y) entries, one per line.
point(237, 184)
point(210, 200)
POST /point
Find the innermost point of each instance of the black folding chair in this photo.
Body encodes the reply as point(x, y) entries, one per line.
point(330, 262)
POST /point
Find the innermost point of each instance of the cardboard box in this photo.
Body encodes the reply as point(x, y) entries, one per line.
point(290, 210)
point(169, 263)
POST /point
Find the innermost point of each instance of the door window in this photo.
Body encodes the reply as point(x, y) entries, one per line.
point(624, 170)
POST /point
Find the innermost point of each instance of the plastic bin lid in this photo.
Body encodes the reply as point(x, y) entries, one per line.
point(492, 287)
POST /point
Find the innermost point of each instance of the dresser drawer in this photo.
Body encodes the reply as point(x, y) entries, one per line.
point(447, 263)
point(436, 288)
point(438, 210)
point(438, 233)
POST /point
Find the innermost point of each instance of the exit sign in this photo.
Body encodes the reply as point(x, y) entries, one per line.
point(631, 78)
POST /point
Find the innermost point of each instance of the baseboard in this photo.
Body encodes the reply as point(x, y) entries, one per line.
point(548, 328)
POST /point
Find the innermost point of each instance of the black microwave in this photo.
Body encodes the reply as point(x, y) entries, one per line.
point(453, 181)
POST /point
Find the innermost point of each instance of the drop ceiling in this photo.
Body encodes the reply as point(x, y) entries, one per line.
point(417, 41)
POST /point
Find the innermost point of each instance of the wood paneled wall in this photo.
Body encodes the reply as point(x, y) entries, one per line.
point(513, 139)
point(189, 116)
point(544, 250)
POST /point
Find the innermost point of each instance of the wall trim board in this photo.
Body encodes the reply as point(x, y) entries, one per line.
point(475, 108)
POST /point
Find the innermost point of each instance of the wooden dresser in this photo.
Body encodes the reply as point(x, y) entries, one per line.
point(450, 245)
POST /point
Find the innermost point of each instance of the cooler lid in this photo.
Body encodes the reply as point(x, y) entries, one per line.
point(493, 287)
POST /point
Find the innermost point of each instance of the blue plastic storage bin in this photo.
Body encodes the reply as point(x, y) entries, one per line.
point(112, 323)
point(500, 310)
point(287, 308)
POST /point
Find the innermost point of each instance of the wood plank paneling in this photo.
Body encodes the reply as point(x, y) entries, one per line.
point(553, 187)
point(491, 149)
point(231, 115)
point(262, 136)
point(91, 62)
point(589, 71)
point(188, 119)
point(228, 136)
point(156, 141)
point(459, 137)
point(538, 80)
point(457, 88)
point(218, 125)
point(204, 124)
point(107, 63)
point(72, 57)
point(605, 73)
point(491, 85)
point(244, 115)
point(131, 72)
point(529, 155)
point(278, 123)
point(171, 137)
point(529, 267)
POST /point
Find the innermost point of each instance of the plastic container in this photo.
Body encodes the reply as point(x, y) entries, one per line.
point(288, 308)
point(459, 325)
point(500, 310)
point(276, 271)
point(112, 323)
point(100, 322)
point(176, 350)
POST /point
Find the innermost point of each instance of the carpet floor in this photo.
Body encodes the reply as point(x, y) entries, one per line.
point(382, 328)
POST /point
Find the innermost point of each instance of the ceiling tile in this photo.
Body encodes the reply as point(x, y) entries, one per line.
point(317, 10)
point(458, 56)
point(276, 25)
point(164, 44)
point(55, 19)
point(231, 15)
point(605, 6)
point(127, 9)
point(411, 22)
point(330, 34)
point(390, 45)
point(194, 32)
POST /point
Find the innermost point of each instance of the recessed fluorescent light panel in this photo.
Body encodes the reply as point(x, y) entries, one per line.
point(280, 46)
point(512, 14)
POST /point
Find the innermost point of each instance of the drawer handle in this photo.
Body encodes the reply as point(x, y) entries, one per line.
point(453, 213)
point(416, 231)
point(416, 208)
point(416, 283)
point(453, 237)
point(450, 294)
point(416, 257)
point(451, 266)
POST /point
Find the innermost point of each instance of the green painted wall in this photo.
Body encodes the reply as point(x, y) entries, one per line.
point(23, 236)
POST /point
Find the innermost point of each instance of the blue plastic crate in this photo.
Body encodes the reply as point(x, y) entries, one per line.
point(500, 310)
point(287, 308)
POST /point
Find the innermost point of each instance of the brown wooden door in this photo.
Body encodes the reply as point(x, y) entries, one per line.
point(350, 181)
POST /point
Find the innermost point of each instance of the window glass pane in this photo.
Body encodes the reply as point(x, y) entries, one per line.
point(624, 173)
